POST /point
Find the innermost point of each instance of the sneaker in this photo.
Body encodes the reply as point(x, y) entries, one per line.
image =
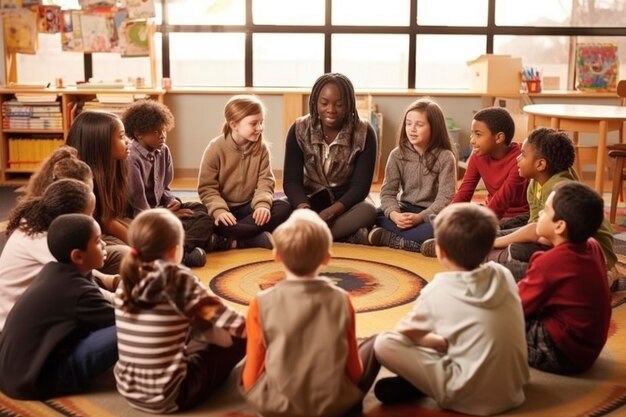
point(195, 258)
point(382, 237)
point(262, 240)
point(379, 237)
point(360, 237)
point(396, 390)
point(428, 248)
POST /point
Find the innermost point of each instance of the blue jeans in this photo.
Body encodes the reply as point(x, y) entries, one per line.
point(419, 233)
point(72, 373)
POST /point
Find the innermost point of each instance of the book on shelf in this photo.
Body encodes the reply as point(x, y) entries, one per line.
point(26, 153)
point(36, 97)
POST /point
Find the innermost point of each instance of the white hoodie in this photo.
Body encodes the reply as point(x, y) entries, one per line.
point(480, 314)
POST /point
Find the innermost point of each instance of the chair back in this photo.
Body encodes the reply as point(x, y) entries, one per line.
point(621, 92)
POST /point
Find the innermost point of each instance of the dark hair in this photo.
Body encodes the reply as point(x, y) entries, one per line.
point(580, 207)
point(466, 232)
point(146, 116)
point(35, 214)
point(68, 232)
point(346, 90)
point(92, 135)
point(43, 177)
point(439, 137)
point(72, 168)
point(555, 147)
point(497, 120)
point(151, 235)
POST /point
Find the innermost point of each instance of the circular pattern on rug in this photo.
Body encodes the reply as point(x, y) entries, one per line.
point(372, 285)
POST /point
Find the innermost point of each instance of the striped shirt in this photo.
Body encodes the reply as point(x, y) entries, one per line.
point(168, 305)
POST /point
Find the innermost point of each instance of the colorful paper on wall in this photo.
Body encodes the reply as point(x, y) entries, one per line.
point(135, 38)
point(20, 31)
point(50, 19)
point(139, 9)
point(90, 4)
point(99, 33)
point(597, 67)
point(71, 36)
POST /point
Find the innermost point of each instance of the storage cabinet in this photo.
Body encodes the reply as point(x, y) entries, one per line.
point(32, 130)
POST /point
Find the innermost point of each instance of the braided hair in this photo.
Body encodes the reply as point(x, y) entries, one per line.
point(346, 89)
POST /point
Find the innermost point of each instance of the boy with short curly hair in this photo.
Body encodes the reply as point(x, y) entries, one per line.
point(151, 171)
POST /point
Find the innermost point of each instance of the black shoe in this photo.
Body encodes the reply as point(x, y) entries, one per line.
point(195, 258)
point(262, 240)
point(218, 243)
point(358, 238)
point(396, 390)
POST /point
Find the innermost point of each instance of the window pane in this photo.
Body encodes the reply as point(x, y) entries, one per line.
point(599, 13)
point(466, 13)
point(112, 66)
point(50, 62)
point(549, 53)
point(209, 59)
point(309, 12)
point(436, 67)
point(383, 65)
point(287, 60)
point(206, 12)
point(371, 13)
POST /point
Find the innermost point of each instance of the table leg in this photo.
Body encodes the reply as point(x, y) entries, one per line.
point(602, 133)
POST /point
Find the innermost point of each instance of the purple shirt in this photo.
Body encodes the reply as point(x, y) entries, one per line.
point(149, 177)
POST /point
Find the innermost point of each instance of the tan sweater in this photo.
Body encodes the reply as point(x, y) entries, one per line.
point(231, 176)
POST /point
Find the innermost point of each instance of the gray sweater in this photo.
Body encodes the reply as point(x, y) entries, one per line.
point(408, 180)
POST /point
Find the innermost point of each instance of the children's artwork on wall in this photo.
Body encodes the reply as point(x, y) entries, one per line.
point(50, 19)
point(597, 67)
point(99, 34)
point(139, 9)
point(90, 4)
point(71, 36)
point(135, 38)
point(20, 31)
point(10, 4)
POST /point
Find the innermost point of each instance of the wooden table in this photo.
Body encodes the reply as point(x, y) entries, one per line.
point(580, 118)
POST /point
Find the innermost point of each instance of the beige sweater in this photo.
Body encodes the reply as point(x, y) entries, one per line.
point(231, 176)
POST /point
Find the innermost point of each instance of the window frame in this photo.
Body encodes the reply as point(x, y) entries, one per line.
point(328, 29)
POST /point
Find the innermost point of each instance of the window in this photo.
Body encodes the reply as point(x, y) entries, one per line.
point(472, 13)
point(285, 43)
point(448, 70)
point(214, 59)
point(301, 66)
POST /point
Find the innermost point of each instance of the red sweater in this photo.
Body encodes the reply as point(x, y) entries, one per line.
point(506, 190)
point(566, 287)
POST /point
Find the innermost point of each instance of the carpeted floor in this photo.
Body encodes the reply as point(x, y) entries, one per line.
point(599, 392)
point(383, 283)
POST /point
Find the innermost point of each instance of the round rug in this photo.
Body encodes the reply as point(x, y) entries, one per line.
point(372, 285)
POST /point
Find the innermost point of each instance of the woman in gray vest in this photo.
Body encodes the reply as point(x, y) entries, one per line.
point(329, 160)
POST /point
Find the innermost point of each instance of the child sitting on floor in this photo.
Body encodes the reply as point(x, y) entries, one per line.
point(177, 341)
point(60, 334)
point(463, 344)
point(302, 354)
point(151, 171)
point(565, 294)
point(546, 160)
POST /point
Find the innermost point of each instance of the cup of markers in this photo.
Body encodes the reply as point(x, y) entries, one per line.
point(531, 78)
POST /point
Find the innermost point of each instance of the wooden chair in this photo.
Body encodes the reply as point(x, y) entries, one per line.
point(618, 151)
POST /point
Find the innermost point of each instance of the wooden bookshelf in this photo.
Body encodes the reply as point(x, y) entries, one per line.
point(17, 171)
